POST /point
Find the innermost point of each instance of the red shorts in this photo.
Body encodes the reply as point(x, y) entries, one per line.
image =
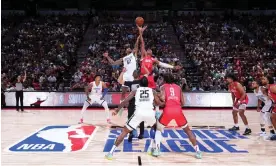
point(173, 113)
point(151, 83)
point(273, 110)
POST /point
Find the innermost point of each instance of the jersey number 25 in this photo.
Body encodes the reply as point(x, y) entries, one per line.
point(144, 94)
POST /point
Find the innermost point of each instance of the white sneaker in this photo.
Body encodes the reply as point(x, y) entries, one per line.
point(262, 134)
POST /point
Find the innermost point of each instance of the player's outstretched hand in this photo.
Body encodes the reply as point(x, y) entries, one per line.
point(114, 113)
point(144, 28)
point(105, 54)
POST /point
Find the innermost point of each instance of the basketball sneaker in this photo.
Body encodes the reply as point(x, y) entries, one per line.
point(156, 152)
point(273, 137)
point(247, 131)
point(81, 121)
point(261, 134)
point(198, 155)
point(140, 136)
point(234, 128)
point(150, 150)
point(109, 156)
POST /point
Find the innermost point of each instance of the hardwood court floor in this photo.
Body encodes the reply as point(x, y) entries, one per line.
point(222, 148)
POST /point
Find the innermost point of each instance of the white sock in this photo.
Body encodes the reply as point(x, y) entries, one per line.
point(151, 143)
point(113, 149)
point(196, 148)
point(236, 125)
point(246, 126)
point(84, 108)
point(157, 108)
point(158, 137)
point(106, 109)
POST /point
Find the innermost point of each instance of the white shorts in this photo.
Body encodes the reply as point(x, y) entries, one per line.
point(137, 118)
point(128, 76)
point(241, 107)
point(95, 99)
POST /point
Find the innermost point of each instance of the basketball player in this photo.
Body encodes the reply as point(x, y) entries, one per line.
point(133, 85)
point(240, 100)
point(268, 82)
point(129, 62)
point(96, 96)
point(144, 99)
point(174, 100)
point(265, 112)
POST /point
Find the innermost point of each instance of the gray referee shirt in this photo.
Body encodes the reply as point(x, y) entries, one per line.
point(18, 86)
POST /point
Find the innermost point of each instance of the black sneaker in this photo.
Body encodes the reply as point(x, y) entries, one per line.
point(140, 136)
point(130, 137)
point(247, 131)
point(234, 128)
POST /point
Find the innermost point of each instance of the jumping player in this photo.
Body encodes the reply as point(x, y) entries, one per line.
point(96, 96)
point(130, 64)
point(144, 99)
point(268, 83)
point(265, 112)
point(174, 100)
point(240, 100)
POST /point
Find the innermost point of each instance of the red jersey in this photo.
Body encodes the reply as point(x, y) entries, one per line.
point(148, 62)
point(172, 95)
point(233, 88)
point(273, 95)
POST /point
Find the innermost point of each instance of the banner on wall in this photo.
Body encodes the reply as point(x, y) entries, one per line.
point(52, 99)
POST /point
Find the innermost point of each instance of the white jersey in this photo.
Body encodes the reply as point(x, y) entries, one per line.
point(97, 90)
point(130, 63)
point(261, 96)
point(144, 99)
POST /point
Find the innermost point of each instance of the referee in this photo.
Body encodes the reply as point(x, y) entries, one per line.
point(19, 92)
point(133, 85)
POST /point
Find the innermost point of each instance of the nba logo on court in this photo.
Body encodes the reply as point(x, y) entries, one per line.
point(56, 139)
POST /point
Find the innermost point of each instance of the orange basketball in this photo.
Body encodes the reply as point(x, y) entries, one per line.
point(139, 21)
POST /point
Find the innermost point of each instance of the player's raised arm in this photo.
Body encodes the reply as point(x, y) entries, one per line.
point(135, 50)
point(165, 65)
point(129, 97)
point(118, 62)
point(143, 50)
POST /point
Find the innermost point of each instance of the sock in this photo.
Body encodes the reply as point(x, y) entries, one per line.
point(272, 131)
point(157, 108)
point(196, 148)
point(113, 149)
point(151, 143)
point(246, 126)
point(158, 137)
point(262, 129)
point(236, 125)
point(85, 105)
point(106, 109)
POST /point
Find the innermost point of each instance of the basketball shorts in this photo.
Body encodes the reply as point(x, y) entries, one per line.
point(151, 82)
point(241, 106)
point(95, 99)
point(138, 117)
point(173, 113)
point(128, 77)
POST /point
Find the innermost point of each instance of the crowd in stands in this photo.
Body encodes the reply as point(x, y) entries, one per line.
point(45, 47)
point(216, 45)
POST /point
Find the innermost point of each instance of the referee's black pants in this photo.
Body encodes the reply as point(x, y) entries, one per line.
point(19, 96)
point(131, 110)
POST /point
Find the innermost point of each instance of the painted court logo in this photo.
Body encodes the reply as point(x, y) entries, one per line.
point(56, 139)
point(176, 140)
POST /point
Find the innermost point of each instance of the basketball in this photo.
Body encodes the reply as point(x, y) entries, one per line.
point(139, 21)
